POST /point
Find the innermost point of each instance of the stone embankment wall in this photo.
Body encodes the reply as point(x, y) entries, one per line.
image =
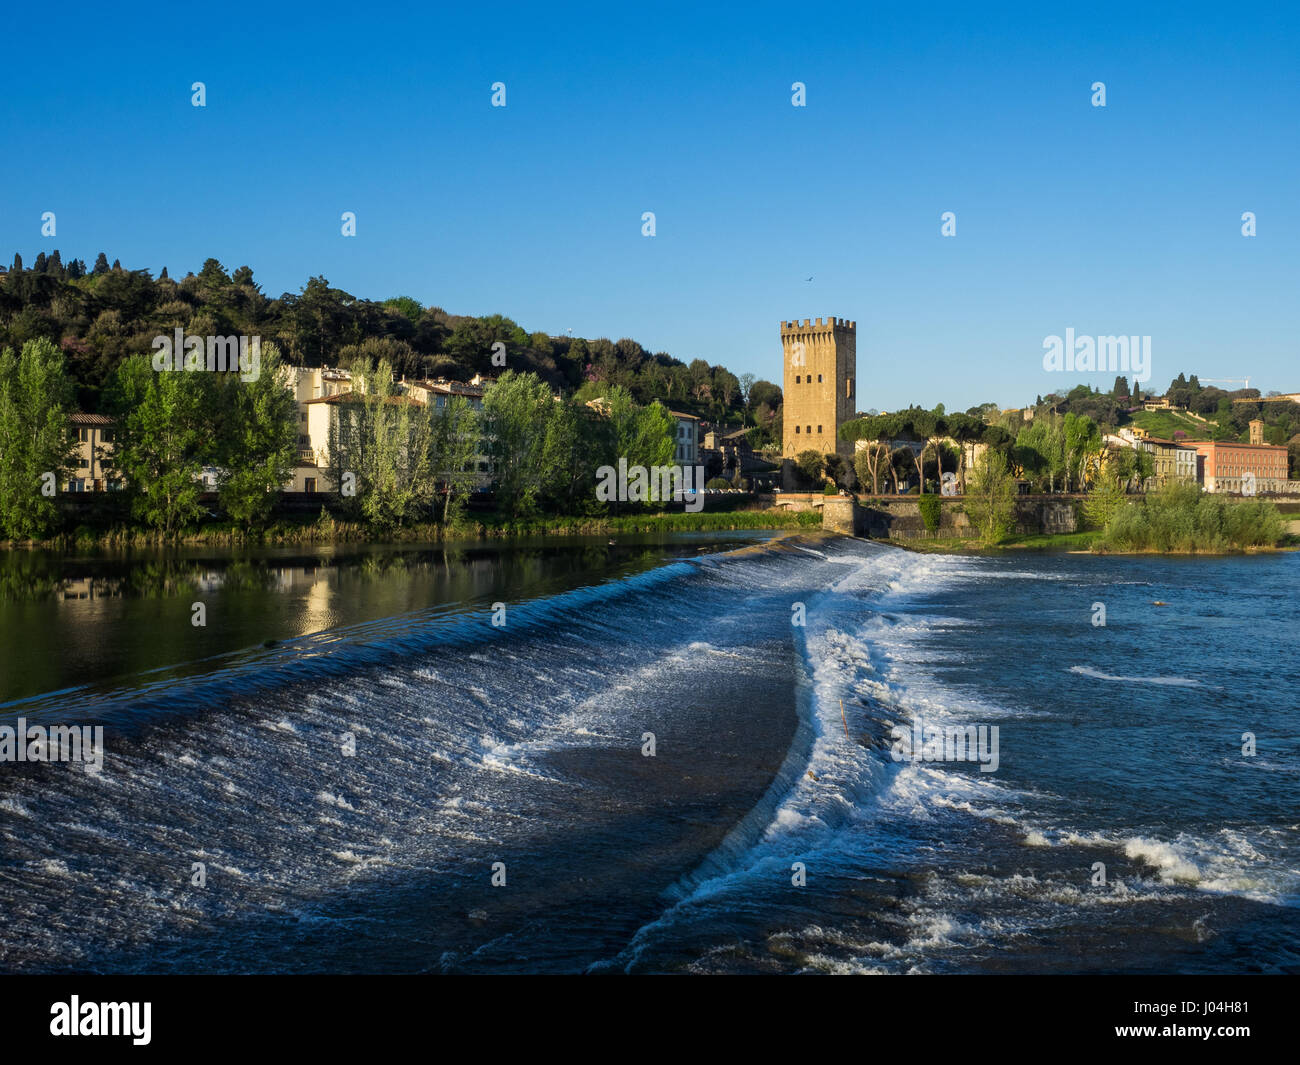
point(895, 518)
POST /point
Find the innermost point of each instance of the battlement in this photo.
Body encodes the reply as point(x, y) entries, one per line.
point(809, 324)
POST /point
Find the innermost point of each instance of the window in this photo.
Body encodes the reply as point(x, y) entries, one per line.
point(83, 435)
point(309, 484)
point(819, 430)
point(303, 416)
point(796, 430)
point(106, 436)
point(796, 378)
point(819, 378)
point(83, 464)
point(809, 430)
point(848, 388)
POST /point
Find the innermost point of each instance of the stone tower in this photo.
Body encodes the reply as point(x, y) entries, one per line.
point(820, 385)
point(1257, 431)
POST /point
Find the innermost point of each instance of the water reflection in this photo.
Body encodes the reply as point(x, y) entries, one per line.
point(73, 620)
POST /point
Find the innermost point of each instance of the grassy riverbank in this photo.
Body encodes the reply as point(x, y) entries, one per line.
point(1091, 541)
point(1079, 541)
point(326, 529)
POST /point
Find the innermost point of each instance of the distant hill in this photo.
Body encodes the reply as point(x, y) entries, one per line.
point(103, 314)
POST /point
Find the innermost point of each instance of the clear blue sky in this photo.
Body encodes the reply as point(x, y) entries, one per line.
point(1124, 219)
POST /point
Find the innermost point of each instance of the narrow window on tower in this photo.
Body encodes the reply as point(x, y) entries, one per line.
point(796, 378)
point(819, 378)
point(819, 430)
point(848, 388)
point(810, 430)
point(796, 430)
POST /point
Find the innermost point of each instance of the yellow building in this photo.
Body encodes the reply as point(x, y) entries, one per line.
point(820, 392)
point(308, 384)
point(93, 436)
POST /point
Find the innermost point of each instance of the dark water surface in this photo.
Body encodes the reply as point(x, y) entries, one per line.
point(523, 745)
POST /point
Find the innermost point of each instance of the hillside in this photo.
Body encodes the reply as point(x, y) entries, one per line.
point(1164, 423)
point(99, 316)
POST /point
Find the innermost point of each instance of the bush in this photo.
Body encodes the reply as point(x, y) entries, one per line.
point(1180, 518)
point(719, 484)
point(931, 511)
point(830, 490)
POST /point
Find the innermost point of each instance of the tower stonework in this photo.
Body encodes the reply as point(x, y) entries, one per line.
point(820, 385)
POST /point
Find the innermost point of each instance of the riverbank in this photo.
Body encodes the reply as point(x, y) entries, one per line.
point(1089, 542)
point(1079, 542)
point(325, 529)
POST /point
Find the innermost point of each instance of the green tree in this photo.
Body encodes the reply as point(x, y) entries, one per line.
point(990, 501)
point(406, 306)
point(868, 462)
point(382, 437)
point(567, 455)
point(455, 444)
point(162, 440)
point(258, 442)
point(1082, 442)
point(1107, 494)
point(1045, 437)
point(517, 408)
point(810, 464)
point(931, 508)
point(835, 467)
point(965, 429)
point(878, 430)
point(36, 397)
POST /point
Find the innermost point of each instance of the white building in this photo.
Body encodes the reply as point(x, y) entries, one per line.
point(686, 439)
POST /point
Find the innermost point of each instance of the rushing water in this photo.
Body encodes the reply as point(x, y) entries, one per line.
point(521, 751)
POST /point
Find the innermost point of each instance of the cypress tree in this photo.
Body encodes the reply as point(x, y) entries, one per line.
point(101, 265)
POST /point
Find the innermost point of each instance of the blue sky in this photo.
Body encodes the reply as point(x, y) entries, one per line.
point(1117, 220)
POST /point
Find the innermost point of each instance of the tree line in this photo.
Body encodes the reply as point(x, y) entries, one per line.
point(101, 316)
point(395, 460)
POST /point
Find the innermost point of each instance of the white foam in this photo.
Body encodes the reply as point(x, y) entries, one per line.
point(1088, 671)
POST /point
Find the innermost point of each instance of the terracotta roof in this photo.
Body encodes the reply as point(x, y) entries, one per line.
point(78, 418)
point(451, 388)
point(356, 397)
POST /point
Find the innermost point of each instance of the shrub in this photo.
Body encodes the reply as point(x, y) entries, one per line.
point(830, 490)
point(718, 483)
point(931, 511)
point(1181, 518)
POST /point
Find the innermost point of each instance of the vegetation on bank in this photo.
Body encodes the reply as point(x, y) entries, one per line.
point(1181, 519)
point(1178, 519)
point(401, 465)
point(328, 529)
point(1077, 541)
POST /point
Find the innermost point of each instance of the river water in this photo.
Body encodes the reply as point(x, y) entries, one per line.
point(675, 754)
